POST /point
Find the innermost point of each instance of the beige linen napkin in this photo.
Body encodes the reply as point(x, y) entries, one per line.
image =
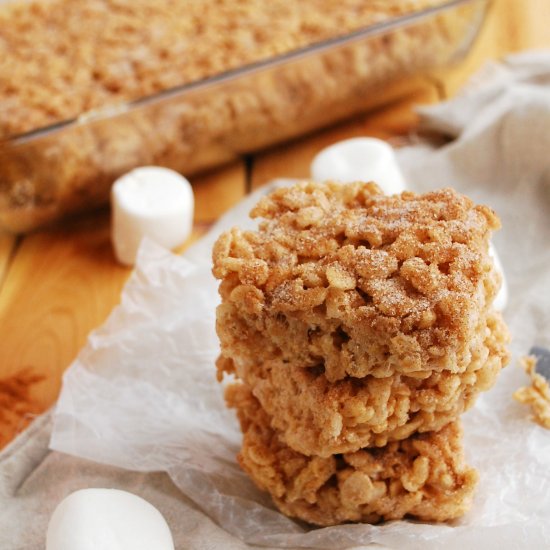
point(493, 143)
point(33, 480)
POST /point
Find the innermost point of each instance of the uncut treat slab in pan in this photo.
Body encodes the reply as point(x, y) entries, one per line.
point(192, 84)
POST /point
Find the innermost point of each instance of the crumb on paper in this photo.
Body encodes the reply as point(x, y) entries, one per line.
point(537, 394)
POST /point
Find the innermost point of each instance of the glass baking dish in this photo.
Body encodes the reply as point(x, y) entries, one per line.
point(68, 167)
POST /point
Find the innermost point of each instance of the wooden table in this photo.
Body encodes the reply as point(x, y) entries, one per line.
point(59, 284)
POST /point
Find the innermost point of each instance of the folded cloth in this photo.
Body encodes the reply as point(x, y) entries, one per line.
point(142, 395)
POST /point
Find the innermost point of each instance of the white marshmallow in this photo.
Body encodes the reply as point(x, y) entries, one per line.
point(501, 299)
point(107, 519)
point(153, 202)
point(359, 159)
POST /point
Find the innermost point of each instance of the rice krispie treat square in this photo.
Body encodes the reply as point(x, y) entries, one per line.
point(345, 279)
point(422, 477)
point(316, 417)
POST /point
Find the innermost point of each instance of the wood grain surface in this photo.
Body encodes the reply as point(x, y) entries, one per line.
point(58, 285)
point(62, 283)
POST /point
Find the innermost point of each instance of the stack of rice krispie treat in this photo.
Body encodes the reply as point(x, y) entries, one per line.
point(359, 327)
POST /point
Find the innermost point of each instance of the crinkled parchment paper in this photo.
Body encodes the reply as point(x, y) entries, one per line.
point(142, 394)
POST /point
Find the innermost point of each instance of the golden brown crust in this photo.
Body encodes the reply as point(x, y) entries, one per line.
point(316, 417)
point(128, 49)
point(423, 476)
point(362, 283)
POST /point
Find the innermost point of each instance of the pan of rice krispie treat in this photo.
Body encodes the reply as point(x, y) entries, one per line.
point(191, 84)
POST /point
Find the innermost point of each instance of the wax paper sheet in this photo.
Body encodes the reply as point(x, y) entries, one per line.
point(142, 394)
